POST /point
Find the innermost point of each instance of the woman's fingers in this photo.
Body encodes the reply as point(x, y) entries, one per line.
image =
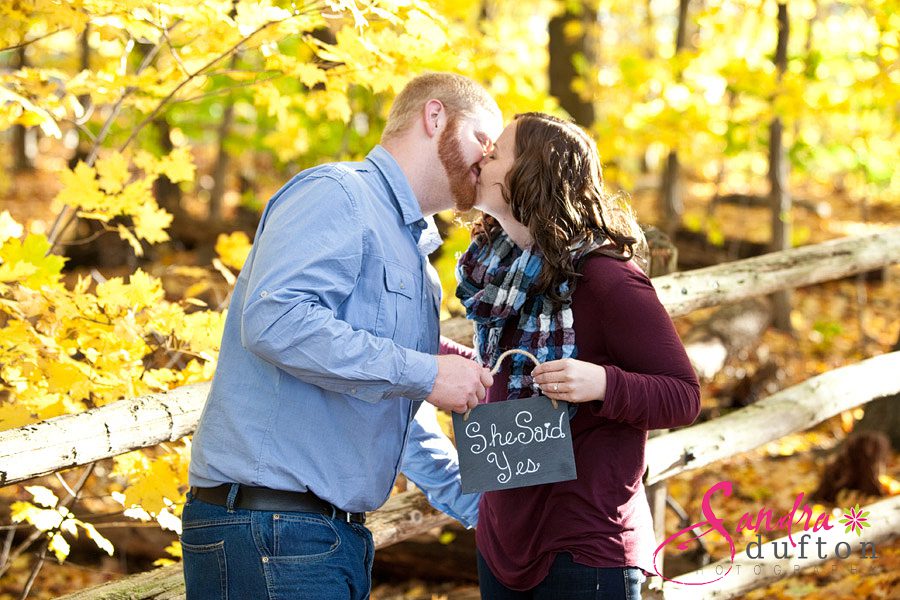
point(571, 380)
point(552, 366)
point(548, 372)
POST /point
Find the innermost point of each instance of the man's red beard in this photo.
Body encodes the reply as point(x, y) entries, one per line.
point(457, 169)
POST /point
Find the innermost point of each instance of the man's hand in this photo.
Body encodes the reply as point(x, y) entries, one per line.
point(460, 383)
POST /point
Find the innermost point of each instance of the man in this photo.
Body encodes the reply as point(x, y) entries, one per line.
point(327, 355)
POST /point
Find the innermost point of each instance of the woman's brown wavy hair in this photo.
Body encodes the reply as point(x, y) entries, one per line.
point(555, 188)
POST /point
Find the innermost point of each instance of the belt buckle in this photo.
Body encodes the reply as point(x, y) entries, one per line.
point(334, 513)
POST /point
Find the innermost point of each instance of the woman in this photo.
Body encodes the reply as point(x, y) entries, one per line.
point(552, 271)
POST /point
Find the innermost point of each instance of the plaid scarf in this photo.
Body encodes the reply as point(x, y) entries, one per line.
point(496, 283)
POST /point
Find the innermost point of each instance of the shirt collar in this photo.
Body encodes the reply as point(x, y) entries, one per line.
point(406, 199)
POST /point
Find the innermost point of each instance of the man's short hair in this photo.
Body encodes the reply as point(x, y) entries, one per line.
point(460, 96)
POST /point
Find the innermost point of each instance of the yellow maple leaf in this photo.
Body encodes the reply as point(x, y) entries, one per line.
point(145, 161)
point(233, 249)
point(134, 196)
point(152, 486)
point(81, 189)
point(61, 377)
point(16, 272)
point(111, 295)
point(15, 415)
point(143, 290)
point(9, 228)
point(150, 223)
point(309, 74)
point(177, 166)
point(113, 172)
point(32, 251)
point(202, 330)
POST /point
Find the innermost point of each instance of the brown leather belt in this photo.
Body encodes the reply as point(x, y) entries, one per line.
point(259, 498)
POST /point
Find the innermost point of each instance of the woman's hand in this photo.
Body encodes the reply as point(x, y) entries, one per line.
point(571, 380)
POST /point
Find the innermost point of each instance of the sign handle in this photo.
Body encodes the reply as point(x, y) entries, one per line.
point(497, 368)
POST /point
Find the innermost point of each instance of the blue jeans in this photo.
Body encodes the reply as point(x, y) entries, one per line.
point(568, 580)
point(259, 555)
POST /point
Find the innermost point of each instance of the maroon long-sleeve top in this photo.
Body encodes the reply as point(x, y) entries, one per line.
point(602, 518)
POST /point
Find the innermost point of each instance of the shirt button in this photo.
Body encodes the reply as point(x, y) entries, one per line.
point(402, 286)
point(353, 390)
point(263, 294)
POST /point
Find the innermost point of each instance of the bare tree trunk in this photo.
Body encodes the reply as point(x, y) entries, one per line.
point(649, 25)
point(564, 53)
point(670, 195)
point(23, 139)
point(671, 201)
point(779, 193)
point(82, 149)
point(220, 169)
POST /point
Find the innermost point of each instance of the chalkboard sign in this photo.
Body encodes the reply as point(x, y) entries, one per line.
point(514, 444)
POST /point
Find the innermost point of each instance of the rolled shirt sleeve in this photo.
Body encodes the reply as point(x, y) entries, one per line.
point(306, 261)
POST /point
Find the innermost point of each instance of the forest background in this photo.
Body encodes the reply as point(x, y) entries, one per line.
point(141, 140)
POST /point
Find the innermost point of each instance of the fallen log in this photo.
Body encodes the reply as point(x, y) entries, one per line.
point(687, 291)
point(80, 439)
point(753, 573)
point(794, 409)
point(402, 516)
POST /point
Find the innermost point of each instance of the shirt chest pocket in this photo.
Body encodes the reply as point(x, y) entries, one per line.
point(398, 313)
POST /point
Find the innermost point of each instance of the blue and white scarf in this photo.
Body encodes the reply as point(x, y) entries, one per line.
point(496, 283)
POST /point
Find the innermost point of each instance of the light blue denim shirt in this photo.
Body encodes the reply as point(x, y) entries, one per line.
point(328, 349)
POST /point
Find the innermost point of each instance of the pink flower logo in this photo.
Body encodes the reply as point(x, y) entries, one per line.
point(854, 519)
